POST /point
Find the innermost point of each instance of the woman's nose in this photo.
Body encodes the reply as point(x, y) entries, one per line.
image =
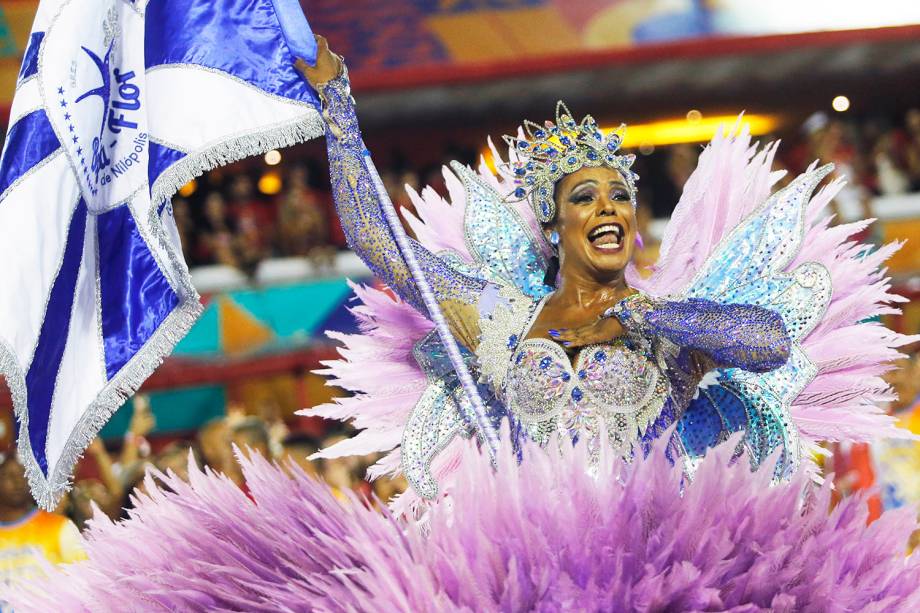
point(605, 206)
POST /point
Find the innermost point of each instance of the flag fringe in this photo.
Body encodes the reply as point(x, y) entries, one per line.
point(232, 150)
point(48, 491)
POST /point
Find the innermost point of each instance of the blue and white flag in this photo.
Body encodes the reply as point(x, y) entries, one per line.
point(118, 104)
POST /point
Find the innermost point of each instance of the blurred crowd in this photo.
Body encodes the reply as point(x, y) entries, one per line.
point(230, 220)
point(111, 474)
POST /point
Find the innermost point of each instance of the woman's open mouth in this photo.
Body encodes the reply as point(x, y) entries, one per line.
point(608, 237)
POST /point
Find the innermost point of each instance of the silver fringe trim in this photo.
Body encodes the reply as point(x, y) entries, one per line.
point(232, 150)
point(48, 491)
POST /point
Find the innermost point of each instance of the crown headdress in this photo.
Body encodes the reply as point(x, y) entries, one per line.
point(554, 150)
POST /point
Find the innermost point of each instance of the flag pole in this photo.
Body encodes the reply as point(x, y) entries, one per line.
point(484, 425)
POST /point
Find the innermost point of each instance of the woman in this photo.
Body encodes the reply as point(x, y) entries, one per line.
point(594, 353)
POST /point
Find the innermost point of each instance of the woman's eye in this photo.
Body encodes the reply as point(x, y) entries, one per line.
point(582, 197)
point(620, 195)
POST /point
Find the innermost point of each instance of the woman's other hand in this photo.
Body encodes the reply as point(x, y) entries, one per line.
point(603, 330)
point(328, 65)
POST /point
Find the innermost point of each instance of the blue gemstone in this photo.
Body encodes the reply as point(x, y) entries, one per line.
point(592, 155)
point(545, 208)
point(545, 362)
point(540, 134)
point(600, 356)
point(573, 160)
point(522, 145)
point(530, 180)
point(576, 394)
point(565, 140)
point(520, 192)
point(529, 166)
point(512, 340)
point(566, 376)
point(582, 374)
point(553, 167)
point(520, 172)
point(519, 357)
point(612, 145)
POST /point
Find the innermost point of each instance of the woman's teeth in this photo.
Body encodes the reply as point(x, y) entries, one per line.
point(607, 237)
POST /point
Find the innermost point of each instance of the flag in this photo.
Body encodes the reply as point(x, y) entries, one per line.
point(118, 104)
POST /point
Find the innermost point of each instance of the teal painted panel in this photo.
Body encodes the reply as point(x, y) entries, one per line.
point(204, 337)
point(175, 410)
point(294, 311)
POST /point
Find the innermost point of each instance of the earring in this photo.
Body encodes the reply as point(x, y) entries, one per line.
point(554, 238)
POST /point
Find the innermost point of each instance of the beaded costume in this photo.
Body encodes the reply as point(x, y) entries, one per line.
point(746, 297)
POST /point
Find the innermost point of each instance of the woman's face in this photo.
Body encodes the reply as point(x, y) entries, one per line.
point(595, 221)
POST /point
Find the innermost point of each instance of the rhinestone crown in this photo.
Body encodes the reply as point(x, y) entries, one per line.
point(554, 150)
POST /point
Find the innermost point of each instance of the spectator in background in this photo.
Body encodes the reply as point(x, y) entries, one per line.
point(29, 536)
point(343, 473)
point(890, 178)
point(682, 161)
point(248, 435)
point(646, 255)
point(251, 433)
point(214, 444)
point(303, 224)
point(296, 449)
point(255, 222)
point(107, 493)
point(185, 227)
point(88, 495)
point(244, 202)
point(912, 125)
point(217, 236)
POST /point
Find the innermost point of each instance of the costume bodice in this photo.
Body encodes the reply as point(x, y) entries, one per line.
point(618, 386)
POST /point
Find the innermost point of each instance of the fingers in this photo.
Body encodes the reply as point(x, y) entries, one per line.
point(326, 66)
point(569, 338)
point(602, 331)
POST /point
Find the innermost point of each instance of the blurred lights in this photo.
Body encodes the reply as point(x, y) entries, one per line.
point(694, 116)
point(188, 189)
point(840, 103)
point(647, 136)
point(273, 157)
point(270, 183)
point(675, 131)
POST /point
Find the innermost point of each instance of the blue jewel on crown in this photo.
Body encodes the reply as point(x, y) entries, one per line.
point(549, 152)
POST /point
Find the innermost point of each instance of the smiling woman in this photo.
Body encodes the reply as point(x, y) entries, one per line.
point(532, 268)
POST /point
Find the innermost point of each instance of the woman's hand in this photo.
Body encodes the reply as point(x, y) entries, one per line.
point(328, 65)
point(603, 330)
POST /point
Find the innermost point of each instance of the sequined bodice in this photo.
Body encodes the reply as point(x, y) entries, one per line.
point(616, 386)
point(612, 383)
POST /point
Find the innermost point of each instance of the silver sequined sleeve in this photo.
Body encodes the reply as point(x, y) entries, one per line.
point(362, 218)
point(731, 335)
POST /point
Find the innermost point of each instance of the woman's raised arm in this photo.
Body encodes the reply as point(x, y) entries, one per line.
point(363, 220)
